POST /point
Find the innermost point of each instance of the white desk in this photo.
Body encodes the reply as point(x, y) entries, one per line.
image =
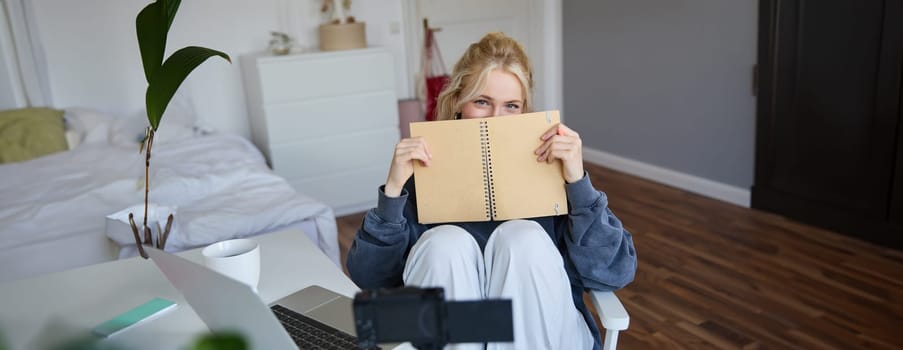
point(74, 301)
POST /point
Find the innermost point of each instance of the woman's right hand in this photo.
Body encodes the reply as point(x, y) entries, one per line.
point(402, 167)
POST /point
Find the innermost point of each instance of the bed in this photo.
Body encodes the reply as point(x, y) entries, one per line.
point(54, 209)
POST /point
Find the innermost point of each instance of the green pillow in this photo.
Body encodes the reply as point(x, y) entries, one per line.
point(30, 133)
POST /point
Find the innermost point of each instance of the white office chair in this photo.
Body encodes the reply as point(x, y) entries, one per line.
point(613, 316)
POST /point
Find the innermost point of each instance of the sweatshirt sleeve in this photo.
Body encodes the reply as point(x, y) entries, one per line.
point(376, 258)
point(598, 245)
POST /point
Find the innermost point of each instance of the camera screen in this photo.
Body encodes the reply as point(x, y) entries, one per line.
point(408, 320)
point(422, 316)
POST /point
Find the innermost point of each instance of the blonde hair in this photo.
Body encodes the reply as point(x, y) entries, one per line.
point(493, 51)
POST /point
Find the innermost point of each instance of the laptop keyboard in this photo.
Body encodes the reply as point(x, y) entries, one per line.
point(312, 334)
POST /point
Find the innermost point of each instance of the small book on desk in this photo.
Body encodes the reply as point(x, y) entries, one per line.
point(133, 317)
point(484, 169)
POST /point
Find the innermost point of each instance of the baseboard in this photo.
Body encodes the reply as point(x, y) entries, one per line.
point(687, 182)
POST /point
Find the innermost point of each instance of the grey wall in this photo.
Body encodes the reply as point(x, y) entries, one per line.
point(664, 82)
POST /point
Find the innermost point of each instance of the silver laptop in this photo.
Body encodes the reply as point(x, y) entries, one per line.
point(228, 305)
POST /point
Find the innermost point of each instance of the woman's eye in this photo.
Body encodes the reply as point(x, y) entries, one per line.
point(481, 102)
point(513, 106)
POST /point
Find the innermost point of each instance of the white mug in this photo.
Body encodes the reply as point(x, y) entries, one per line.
point(238, 259)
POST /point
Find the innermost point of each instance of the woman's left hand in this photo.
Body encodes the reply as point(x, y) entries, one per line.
point(560, 142)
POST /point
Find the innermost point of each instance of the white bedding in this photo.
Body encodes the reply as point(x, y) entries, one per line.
point(219, 183)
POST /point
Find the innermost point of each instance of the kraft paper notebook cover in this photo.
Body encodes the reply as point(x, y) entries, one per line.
point(484, 169)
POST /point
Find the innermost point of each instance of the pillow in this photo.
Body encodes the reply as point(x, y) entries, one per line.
point(177, 124)
point(30, 133)
point(129, 131)
point(86, 126)
point(73, 138)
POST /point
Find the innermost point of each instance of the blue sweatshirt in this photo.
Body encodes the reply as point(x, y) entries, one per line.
point(598, 251)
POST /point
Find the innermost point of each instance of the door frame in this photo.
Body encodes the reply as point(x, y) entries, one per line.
point(545, 51)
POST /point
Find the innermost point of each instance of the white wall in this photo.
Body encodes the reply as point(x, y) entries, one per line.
point(93, 59)
point(539, 30)
point(10, 95)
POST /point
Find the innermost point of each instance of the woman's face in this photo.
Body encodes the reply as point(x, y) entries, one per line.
point(502, 95)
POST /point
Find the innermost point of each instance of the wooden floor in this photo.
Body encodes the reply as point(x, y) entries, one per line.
point(717, 276)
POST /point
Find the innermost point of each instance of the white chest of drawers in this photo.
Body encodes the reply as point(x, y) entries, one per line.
point(327, 122)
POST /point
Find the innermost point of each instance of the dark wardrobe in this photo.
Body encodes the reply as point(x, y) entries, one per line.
point(829, 129)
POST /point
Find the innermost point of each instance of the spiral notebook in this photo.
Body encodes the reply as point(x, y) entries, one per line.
point(484, 170)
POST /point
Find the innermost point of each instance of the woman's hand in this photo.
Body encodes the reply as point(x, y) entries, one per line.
point(402, 167)
point(560, 142)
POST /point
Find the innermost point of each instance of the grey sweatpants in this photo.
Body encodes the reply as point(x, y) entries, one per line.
point(520, 263)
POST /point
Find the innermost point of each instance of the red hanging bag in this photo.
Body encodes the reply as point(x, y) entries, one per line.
point(434, 72)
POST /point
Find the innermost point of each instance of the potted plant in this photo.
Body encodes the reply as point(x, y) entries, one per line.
point(163, 79)
point(280, 43)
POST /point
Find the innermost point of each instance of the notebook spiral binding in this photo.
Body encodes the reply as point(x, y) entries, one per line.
point(488, 191)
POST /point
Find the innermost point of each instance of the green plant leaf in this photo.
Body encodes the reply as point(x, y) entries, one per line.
point(225, 341)
point(170, 7)
point(152, 26)
point(173, 72)
point(151, 38)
